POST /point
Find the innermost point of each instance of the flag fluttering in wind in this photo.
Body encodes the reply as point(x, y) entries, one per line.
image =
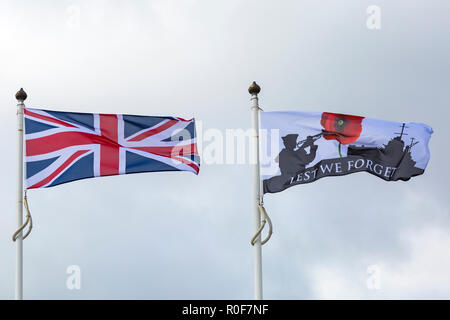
point(66, 146)
point(301, 147)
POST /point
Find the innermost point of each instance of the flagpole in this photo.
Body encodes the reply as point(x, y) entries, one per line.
point(254, 89)
point(21, 96)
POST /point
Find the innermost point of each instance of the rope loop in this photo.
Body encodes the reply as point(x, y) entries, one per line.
point(266, 219)
point(28, 220)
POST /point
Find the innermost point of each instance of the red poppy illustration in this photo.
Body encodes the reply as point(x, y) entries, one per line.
point(343, 128)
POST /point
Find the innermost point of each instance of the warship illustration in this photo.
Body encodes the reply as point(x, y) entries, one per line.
point(394, 154)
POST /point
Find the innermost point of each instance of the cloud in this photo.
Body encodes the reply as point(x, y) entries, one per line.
point(177, 235)
point(423, 274)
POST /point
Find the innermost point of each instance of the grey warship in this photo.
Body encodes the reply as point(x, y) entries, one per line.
point(394, 154)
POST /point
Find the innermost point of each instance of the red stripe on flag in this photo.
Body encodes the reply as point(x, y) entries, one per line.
point(109, 153)
point(152, 132)
point(46, 118)
point(60, 169)
point(187, 162)
point(62, 140)
point(170, 151)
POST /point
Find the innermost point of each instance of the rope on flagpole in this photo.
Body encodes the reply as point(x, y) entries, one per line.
point(29, 220)
point(266, 219)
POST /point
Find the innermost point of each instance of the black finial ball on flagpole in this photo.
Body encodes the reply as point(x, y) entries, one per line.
point(254, 88)
point(21, 95)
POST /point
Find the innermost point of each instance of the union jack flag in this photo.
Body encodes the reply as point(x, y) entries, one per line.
point(67, 146)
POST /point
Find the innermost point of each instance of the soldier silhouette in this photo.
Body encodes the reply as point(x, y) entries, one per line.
point(292, 161)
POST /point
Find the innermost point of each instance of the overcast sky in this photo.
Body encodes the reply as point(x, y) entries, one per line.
point(179, 236)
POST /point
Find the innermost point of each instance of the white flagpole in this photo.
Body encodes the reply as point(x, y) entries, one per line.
point(21, 96)
point(254, 89)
